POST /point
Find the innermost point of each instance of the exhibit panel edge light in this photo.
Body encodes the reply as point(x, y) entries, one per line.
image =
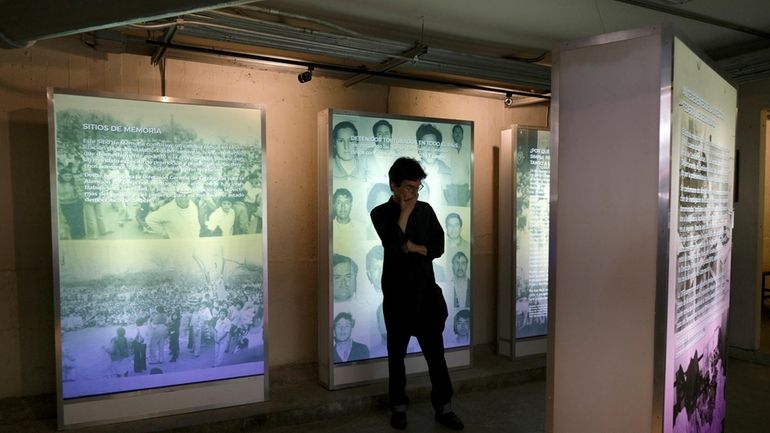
point(338, 181)
point(111, 252)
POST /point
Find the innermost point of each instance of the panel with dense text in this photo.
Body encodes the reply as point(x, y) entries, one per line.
point(159, 242)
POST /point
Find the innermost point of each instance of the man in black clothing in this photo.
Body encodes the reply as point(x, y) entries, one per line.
point(413, 304)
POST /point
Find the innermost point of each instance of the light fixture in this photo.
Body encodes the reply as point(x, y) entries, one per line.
point(508, 101)
point(306, 76)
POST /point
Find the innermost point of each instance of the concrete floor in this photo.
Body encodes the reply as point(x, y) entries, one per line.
point(496, 395)
point(521, 409)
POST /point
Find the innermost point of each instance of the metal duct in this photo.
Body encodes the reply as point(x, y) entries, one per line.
point(23, 22)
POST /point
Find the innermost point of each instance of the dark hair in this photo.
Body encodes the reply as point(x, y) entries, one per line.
point(377, 188)
point(347, 316)
point(64, 171)
point(343, 125)
point(462, 314)
point(453, 215)
point(339, 259)
point(376, 253)
point(405, 169)
point(425, 129)
point(381, 123)
point(459, 254)
point(340, 192)
point(457, 125)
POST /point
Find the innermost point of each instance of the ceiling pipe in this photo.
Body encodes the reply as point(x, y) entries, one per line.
point(339, 68)
point(25, 22)
point(697, 17)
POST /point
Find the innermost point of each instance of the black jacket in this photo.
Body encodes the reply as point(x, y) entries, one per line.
point(411, 297)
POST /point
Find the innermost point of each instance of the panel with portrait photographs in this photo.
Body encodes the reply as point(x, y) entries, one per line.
point(159, 247)
point(362, 147)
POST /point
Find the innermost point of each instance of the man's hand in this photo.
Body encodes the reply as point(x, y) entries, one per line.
point(407, 206)
point(411, 247)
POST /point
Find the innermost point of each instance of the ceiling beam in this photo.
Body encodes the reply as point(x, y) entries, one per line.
point(24, 22)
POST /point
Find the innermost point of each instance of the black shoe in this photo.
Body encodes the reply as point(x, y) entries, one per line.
point(398, 420)
point(450, 420)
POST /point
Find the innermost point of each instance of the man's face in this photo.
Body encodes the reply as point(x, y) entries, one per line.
point(463, 326)
point(226, 206)
point(344, 281)
point(342, 330)
point(459, 266)
point(342, 205)
point(457, 135)
point(408, 190)
point(382, 132)
point(453, 228)
point(183, 200)
point(374, 272)
point(429, 152)
point(344, 145)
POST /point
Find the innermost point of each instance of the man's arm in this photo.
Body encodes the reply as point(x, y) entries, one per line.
point(388, 230)
point(435, 244)
point(157, 220)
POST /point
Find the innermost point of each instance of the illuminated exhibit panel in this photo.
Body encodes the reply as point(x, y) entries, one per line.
point(362, 147)
point(159, 252)
point(533, 170)
point(702, 161)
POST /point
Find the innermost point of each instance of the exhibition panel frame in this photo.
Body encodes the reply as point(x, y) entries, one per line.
point(355, 151)
point(642, 212)
point(523, 218)
point(159, 239)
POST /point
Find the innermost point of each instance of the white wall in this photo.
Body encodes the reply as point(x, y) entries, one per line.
point(745, 302)
point(26, 292)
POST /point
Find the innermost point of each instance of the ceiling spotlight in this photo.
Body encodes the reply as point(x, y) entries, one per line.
point(306, 76)
point(508, 101)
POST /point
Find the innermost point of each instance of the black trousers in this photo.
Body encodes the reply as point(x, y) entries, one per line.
point(432, 345)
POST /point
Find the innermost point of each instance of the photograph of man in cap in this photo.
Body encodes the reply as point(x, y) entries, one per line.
point(178, 218)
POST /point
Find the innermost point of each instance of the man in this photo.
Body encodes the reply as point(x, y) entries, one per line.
point(346, 164)
point(345, 349)
point(374, 259)
point(222, 220)
point(454, 238)
point(458, 191)
point(344, 275)
point(462, 327)
point(200, 322)
point(460, 281)
point(383, 133)
point(454, 227)
point(429, 141)
point(177, 218)
point(342, 204)
point(413, 304)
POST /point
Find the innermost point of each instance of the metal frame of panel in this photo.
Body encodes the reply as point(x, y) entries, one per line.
point(337, 376)
point(174, 399)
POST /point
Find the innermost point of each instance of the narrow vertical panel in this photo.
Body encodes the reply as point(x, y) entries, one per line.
point(532, 161)
point(605, 234)
point(702, 175)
